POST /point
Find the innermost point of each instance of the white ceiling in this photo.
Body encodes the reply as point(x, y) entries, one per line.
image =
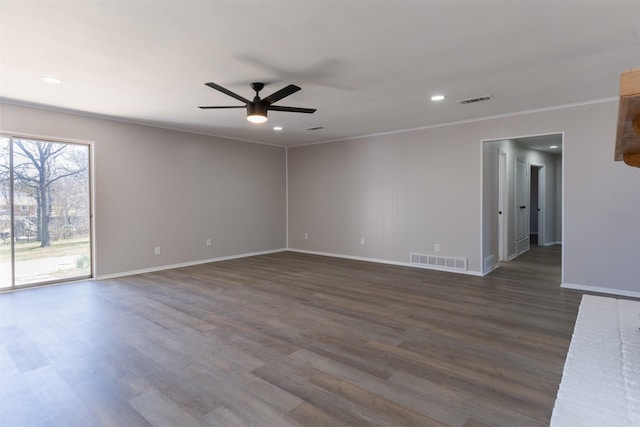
point(543, 143)
point(368, 66)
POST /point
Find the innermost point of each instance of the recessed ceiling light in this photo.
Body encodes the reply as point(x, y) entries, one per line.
point(50, 79)
point(277, 128)
point(437, 97)
point(553, 146)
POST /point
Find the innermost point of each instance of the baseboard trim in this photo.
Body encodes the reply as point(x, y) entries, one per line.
point(385, 261)
point(493, 267)
point(601, 290)
point(513, 256)
point(186, 264)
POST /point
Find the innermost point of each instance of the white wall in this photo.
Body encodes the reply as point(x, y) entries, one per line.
point(401, 192)
point(157, 187)
point(394, 191)
point(407, 191)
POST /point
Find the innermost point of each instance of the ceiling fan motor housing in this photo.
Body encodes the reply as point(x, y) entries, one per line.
point(256, 109)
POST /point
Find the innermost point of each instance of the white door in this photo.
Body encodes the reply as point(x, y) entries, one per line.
point(522, 200)
point(502, 206)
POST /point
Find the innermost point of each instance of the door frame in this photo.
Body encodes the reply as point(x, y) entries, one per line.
point(483, 237)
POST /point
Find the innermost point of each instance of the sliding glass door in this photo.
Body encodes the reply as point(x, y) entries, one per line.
point(6, 264)
point(45, 211)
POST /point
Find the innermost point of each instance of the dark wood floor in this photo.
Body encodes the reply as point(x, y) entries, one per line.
point(290, 339)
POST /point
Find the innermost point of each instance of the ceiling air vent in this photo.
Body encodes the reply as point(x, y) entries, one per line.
point(474, 100)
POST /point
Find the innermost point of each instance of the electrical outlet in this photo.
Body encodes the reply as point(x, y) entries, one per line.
point(306, 236)
point(156, 250)
point(436, 247)
point(208, 242)
point(362, 240)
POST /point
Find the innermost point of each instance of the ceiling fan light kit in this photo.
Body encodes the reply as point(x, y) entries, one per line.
point(257, 109)
point(256, 113)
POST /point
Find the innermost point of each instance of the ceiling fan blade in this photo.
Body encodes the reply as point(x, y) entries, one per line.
point(291, 109)
point(227, 92)
point(209, 107)
point(276, 96)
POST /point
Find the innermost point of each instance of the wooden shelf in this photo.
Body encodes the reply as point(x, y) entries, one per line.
point(628, 138)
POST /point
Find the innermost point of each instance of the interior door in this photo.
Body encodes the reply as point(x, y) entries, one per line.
point(502, 206)
point(522, 200)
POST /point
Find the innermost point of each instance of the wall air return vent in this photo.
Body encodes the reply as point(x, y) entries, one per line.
point(439, 262)
point(476, 100)
point(489, 262)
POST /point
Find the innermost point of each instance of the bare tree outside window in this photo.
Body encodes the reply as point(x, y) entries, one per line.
point(42, 168)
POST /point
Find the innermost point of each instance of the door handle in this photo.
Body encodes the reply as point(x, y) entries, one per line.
point(523, 207)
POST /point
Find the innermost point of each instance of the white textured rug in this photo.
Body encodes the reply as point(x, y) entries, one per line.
point(601, 379)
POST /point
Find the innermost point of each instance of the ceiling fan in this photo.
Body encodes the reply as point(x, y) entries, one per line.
point(257, 109)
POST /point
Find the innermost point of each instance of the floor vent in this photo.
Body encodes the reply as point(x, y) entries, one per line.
point(474, 100)
point(439, 261)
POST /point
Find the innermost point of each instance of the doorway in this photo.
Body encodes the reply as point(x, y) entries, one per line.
point(45, 211)
point(536, 201)
point(521, 196)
